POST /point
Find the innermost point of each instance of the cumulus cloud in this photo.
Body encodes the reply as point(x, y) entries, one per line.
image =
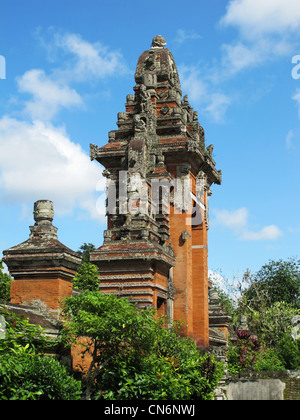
point(256, 18)
point(268, 233)
point(266, 29)
point(48, 96)
point(217, 280)
point(237, 221)
point(38, 160)
point(238, 56)
point(183, 36)
point(219, 103)
point(89, 60)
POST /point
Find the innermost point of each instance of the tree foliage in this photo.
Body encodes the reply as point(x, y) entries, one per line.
point(271, 300)
point(277, 281)
point(133, 355)
point(87, 276)
point(85, 251)
point(5, 281)
point(26, 373)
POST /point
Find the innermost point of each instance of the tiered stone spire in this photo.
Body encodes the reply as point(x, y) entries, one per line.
point(159, 138)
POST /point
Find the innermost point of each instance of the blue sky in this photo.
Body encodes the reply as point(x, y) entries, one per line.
point(70, 65)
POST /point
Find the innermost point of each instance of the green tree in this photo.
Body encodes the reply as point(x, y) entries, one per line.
point(277, 281)
point(26, 373)
point(271, 302)
point(273, 323)
point(85, 251)
point(133, 355)
point(5, 281)
point(87, 276)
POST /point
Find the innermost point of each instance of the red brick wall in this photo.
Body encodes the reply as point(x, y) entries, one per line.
point(50, 291)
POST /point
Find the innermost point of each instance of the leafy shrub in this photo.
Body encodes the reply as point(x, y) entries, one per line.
point(87, 277)
point(268, 360)
point(133, 355)
point(5, 281)
point(243, 355)
point(289, 352)
point(27, 376)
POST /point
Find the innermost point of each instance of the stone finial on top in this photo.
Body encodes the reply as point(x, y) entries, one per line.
point(158, 42)
point(43, 214)
point(43, 211)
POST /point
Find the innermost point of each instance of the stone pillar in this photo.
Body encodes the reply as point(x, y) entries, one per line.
point(42, 268)
point(219, 321)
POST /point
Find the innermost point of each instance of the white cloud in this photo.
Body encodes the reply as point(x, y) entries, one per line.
point(48, 96)
point(217, 280)
point(89, 60)
point(183, 36)
point(237, 220)
point(289, 140)
point(239, 56)
point(267, 233)
point(193, 84)
point(39, 161)
point(257, 18)
point(267, 30)
point(218, 106)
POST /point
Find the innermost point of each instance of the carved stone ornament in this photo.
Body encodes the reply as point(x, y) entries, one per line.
point(139, 123)
point(159, 42)
point(93, 151)
point(165, 110)
point(145, 99)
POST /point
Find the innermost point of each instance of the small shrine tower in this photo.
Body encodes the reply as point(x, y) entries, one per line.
point(159, 173)
point(42, 267)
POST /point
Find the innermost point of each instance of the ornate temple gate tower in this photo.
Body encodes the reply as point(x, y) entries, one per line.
point(159, 174)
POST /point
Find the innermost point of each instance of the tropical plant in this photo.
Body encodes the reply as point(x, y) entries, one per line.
point(5, 281)
point(26, 373)
point(133, 356)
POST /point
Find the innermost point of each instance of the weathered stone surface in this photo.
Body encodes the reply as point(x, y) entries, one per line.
point(158, 138)
point(260, 389)
point(42, 267)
